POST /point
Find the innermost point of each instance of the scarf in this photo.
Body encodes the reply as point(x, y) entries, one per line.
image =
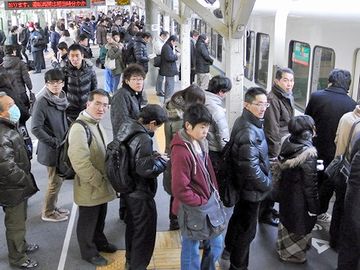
point(60, 102)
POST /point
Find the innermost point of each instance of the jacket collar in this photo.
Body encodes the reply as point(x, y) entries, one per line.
point(337, 90)
point(7, 123)
point(248, 116)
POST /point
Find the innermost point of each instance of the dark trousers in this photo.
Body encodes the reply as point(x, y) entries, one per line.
point(241, 232)
point(90, 230)
point(140, 234)
point(171, 215)
point(39, 61)
point(23, 53)
point(326, 190)
point(266, 208)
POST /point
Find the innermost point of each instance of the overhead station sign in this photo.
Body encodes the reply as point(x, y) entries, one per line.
point(123, 2)
point(46, 4)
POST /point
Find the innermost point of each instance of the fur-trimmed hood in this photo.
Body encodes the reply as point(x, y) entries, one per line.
point(308, 152)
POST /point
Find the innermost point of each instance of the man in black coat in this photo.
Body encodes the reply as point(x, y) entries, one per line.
point(145, 165)
point(140, 49)
point(250, 163)
point(326, 107)
point(17, 184)
point(203, 61)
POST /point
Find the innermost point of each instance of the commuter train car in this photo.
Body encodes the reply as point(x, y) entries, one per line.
point(311, 37)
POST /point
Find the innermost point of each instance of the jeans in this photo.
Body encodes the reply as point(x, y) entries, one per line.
point(159, 84)
point(169, 87)
point(52, 192)
point(190, 257)
point(115, 83)
point(108, 80)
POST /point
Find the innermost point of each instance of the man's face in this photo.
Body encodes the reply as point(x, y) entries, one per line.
point(258, 106)
point(6, 102)
point(147, 39)
point(75, 58)
point(84, 42)
point(198, 132)
point(286, 82)
point(136, 83)
point(55, 86)
point(164, 37)
point(98, 106)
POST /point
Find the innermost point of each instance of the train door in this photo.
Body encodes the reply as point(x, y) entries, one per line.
point(356, 78)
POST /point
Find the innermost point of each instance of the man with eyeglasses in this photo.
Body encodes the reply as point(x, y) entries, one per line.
point(80, 80)
point(276, 121)
point(49, 125)
point(252, 177)
point(92, 189)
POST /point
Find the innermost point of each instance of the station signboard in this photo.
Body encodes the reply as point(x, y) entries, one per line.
point(46, 4)
point(123, 2)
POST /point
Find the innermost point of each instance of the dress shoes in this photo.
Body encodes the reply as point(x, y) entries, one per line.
point(98, 260)
point(109, 248)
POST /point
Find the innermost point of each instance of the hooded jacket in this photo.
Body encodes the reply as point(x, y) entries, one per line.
point(190, 173)
point(168, 66)
point(141, 54)
point(298, 191)
point(203, 59)
point(145, 164)
point(16, 181)
point(249, 155)
point(19, 72)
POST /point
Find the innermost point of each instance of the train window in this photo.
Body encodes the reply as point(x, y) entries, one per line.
point(323, 63)
point(299, 59)
point(250, 52)
point(213, 43)
point(262, 58)
point(219, 47)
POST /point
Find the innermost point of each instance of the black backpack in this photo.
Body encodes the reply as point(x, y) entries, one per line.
point(225, 175)
point(128, 54)
point(118, 166)
point(64, 167)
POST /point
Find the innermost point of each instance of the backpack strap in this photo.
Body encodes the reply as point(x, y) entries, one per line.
point(87, 130)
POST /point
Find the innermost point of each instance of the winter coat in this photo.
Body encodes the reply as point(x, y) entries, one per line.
point(203, 59)
point(193, 53)
point(145, 164)
point(114, 51)
point(141, 54)
point(276, 119)
point(190, 175)
point(168, 66)
point(49, 126)
point(249, 155)
point(101, 33)
point(78, 84)
point(158, 44)
point(54, 38)
point(326, 107)
point(218, 133)
point(298, 192)
point(87, 29)
point(125, 104)
point(16, 181)
point(35, 36)
point(91, 187)
point(19, 72)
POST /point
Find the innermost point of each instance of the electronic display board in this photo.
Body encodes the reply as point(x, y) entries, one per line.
point(123, 2)
point(46, 4)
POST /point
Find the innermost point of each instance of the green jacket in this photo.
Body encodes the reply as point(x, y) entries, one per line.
point(91, 187)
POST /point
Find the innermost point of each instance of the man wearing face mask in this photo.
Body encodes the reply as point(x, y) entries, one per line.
point(17, 184)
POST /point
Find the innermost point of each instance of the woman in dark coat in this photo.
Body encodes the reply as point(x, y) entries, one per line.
point(298, 194)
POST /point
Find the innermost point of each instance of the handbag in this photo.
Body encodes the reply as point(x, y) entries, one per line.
point(157, 61)
point(339, 167)
point(203, 222)
point(109, 63)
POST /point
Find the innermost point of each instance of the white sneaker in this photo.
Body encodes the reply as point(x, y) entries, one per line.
point(324, 217)
point(54, 217)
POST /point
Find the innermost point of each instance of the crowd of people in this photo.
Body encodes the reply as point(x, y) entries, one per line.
point(274, 154)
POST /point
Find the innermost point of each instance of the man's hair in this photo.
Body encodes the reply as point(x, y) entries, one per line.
point(2, 94)
point(146, 35)
point(196, 114)
point(83, 37)
point(219, 83)
point(252, 92)
point(164, 33)
point(76, 47)
point(301, 126)
point(9, 49)
point(340, 78)
point(172, 38)
point(100, 92)
point(193, 94)
point(54, 75)
point(194, 33)
point(62, 45)
point(131, 70)
point(280, 71)
point(153, 112)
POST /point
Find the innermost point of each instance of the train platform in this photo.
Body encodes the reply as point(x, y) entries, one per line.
point(58, 242)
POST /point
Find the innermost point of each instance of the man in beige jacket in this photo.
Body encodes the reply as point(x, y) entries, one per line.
point(92, 190)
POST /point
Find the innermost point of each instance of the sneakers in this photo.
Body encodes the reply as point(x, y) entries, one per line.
point(29, 264)
point(63, 211)
point(324, 217)
point(54, 217)
point(30, 248)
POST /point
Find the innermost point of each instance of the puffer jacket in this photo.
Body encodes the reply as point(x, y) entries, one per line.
point(298, 193)
point(276, 119)
point(203, 59)
point(19, 72)
point(114, 51)
point(168, 66)
point(218, 133)
point(145, 164)
point(78, 84)
point(91, 186)
point(125, 104)
point(16, 181)
point(141, 54)
point(249, 155)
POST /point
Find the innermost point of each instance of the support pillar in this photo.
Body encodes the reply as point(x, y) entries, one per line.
point(185, 53)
